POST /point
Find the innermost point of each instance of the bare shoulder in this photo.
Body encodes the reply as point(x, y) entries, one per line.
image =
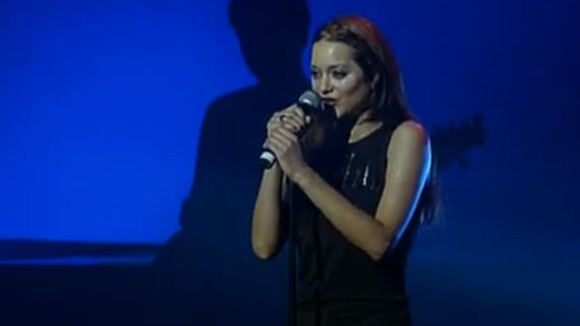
point(409, 136)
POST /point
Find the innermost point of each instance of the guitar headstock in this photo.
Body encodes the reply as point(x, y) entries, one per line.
point(450, 143)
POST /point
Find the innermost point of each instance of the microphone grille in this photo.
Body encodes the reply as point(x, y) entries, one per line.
point(309, 98)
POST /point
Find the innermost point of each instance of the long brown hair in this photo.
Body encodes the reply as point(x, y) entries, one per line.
point(388, 102)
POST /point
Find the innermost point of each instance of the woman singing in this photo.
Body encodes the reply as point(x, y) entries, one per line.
point(362, 184)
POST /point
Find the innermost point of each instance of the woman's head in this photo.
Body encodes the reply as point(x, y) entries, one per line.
point(355, 69)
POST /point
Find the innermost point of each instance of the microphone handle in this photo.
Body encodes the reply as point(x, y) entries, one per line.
point(267, 159)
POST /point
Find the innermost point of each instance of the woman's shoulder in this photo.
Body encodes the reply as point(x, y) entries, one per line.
point(409, 135)
point(410, 131)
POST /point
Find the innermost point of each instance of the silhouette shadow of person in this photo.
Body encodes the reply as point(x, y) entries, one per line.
point(211, 254)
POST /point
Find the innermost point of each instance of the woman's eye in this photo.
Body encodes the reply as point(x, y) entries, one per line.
point(339, 74)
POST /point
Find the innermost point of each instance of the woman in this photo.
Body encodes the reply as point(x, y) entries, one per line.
point(362, 183)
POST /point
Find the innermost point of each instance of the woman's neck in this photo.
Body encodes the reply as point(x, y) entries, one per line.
point(365, 125)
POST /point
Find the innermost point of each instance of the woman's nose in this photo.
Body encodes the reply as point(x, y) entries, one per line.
point(325, 85)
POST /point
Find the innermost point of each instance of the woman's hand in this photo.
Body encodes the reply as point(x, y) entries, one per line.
point(291, 118)
point(283, 140)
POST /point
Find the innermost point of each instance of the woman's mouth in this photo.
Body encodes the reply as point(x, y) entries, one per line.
point(329, 102)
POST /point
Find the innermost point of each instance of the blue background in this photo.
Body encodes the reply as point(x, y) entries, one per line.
point(101, 105)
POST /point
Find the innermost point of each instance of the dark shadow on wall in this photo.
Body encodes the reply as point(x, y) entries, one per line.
point(211, 255)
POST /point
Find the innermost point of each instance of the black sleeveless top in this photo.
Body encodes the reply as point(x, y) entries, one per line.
point(331, 268)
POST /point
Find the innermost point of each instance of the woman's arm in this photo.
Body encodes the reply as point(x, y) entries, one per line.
point(269, 220)
point(409, 159)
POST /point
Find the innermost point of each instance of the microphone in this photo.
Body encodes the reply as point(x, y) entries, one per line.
point(309, 102)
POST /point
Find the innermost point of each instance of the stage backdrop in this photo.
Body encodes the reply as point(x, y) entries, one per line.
point(102, 103)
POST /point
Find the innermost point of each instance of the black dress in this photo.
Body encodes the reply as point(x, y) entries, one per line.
point(339, 284)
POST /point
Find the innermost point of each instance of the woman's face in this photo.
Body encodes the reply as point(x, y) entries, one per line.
point(338, 78)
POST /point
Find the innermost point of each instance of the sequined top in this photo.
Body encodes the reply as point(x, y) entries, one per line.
point(331, 268)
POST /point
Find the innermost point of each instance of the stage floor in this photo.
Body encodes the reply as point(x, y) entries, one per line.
point(115, 284)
